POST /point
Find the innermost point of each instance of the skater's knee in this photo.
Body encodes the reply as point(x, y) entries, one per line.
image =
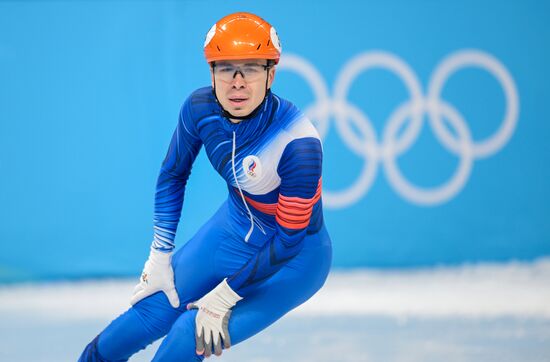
point(156, 316)
point(185, 325)
point(179, 344)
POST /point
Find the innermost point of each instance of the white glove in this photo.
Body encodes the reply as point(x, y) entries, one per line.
point(213, 319)
point(157, 276)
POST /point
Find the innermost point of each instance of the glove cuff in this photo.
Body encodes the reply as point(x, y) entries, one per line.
point(160, 257)
point(226, 294)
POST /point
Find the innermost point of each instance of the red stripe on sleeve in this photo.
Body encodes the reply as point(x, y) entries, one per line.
point(295, 212)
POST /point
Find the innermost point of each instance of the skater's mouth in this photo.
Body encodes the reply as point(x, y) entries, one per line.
point(238, 100)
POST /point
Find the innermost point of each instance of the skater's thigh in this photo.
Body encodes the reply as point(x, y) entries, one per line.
point(291, 286)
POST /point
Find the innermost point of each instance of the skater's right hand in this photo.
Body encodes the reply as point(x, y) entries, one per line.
point(157, 276)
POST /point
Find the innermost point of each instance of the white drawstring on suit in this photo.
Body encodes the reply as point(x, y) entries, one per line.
point(241, 191)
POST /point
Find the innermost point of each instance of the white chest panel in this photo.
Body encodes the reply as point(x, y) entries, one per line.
point(257, 174)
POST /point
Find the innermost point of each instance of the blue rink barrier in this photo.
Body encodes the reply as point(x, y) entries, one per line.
point(432, 116)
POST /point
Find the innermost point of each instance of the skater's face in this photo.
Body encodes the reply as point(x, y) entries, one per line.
point(240, 85)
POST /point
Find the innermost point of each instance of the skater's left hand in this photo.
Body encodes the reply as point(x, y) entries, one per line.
point(213, 319)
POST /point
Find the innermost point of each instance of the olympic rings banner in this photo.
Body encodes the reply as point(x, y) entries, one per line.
point(432, 116)
point(366, 145)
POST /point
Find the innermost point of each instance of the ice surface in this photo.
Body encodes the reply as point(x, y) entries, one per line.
point(486, 312)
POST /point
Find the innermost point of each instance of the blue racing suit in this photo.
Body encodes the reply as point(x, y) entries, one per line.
point(268, 238)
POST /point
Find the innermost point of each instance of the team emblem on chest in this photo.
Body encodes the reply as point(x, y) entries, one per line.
point(252, 167)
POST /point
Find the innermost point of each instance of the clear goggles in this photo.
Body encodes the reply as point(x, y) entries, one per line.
point(250, 72)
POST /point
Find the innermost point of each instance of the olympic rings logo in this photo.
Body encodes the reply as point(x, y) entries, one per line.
point(366, 144)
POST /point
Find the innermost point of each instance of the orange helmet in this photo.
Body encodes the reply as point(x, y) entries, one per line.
point(242, 36)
